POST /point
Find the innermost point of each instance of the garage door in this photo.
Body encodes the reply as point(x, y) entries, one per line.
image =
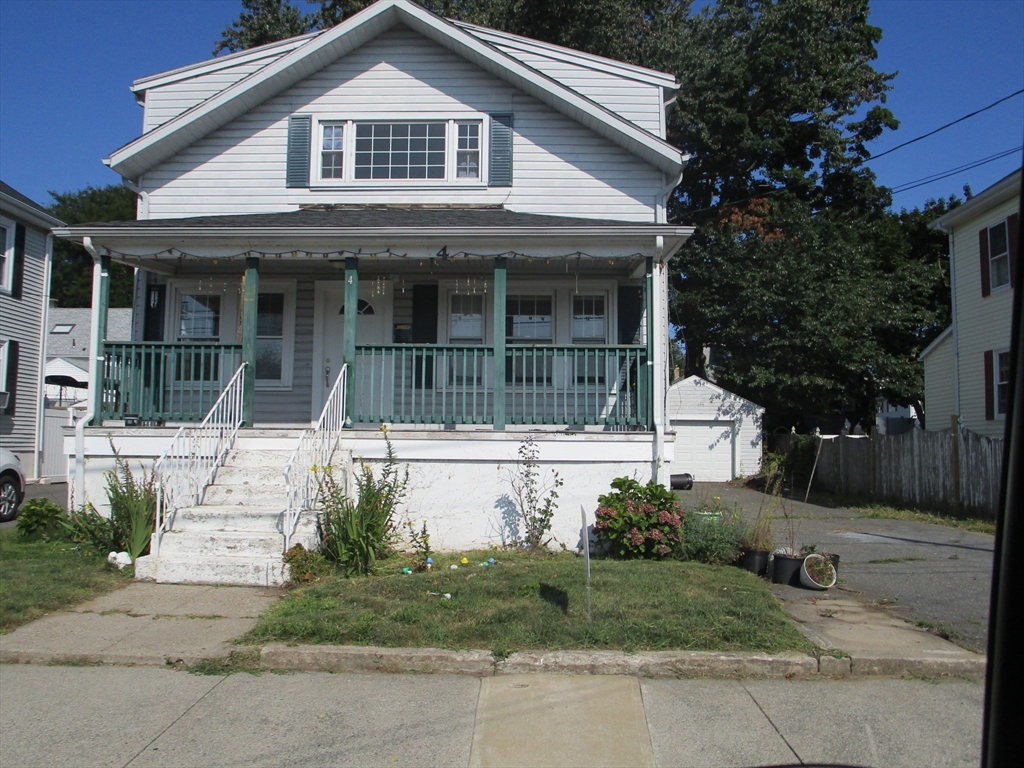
point(704, 449)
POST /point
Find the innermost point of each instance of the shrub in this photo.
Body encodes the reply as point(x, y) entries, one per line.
point(132, 507)
point(711, 535)
point(420, 541)
point(305, 566)
point(41, 519)
point(355, 534)
point(88, 528)
point(639, 520)
point(534, 500)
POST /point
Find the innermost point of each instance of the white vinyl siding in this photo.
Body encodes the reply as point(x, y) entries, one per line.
point(939, 386)
point(983, 322)
point(561, 167)
point(168, 101)
point(21, 321)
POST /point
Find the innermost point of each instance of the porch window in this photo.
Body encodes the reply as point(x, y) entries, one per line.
point(199, 323)
point(466, 326)
point(269, 336)
point(589, 327)
point(529, 320)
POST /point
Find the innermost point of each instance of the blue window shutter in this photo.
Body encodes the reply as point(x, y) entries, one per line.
point(299, 128)
point(500, 174)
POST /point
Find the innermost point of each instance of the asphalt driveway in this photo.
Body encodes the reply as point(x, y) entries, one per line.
point(928, 573)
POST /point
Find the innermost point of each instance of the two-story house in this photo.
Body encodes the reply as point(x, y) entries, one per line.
point(967, 367)
point(402, 220)
point(25, 254)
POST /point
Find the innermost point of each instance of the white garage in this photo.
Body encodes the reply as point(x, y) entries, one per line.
point(718, 433)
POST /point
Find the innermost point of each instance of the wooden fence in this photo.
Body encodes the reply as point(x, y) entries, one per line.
point(931, 470)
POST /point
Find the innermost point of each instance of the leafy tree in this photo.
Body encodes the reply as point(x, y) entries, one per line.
point(262, 22)
point(71, 283)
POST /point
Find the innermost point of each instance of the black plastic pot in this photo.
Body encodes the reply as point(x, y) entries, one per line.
point(835, 561)
point(683, 482)
point(755, 561)
point(786, 570)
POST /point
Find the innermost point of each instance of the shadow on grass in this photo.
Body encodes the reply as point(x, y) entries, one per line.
point(557, 597)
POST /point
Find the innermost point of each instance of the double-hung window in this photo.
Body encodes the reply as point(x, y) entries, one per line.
point(589, 326)
point(466, 327)
point(1002, 380)
point(6, 255)
point(275, 334)
point(529, 320)
point(332, 150)
point(198, 324)
point(998, 256)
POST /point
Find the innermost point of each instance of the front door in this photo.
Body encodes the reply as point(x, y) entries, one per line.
point(330, 318)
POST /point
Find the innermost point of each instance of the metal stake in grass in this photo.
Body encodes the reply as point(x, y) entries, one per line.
point(586, 553)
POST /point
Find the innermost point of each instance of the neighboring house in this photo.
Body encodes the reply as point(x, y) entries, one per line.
point(67, 350)
point(718, 433)
point(472, 225)
point(25, 260)
point(967, 368)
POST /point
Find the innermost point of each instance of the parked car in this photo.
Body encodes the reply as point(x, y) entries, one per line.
point(12, 485)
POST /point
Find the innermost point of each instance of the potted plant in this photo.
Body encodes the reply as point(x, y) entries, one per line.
point(786, 562)
point(817, 572)
point(756, 543)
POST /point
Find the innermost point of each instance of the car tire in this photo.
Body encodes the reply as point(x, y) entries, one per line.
point(10, 498)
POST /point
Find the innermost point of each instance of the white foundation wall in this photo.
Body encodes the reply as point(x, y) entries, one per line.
point(460, 483)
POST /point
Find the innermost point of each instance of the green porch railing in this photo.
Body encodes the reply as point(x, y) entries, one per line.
point(169, 381)
point(544, 384)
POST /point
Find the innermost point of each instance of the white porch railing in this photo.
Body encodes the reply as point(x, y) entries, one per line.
point(315, 449)
point(189, 464)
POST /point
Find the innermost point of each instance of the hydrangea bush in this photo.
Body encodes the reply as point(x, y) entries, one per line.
point(639, 520)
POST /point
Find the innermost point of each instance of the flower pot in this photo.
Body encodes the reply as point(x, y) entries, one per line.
point(805, 577)
point(755, 561)
point(786, 569)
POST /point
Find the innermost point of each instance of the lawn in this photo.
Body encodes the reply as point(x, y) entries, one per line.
point(538, 602)
point(39, 577)
point(887, 512)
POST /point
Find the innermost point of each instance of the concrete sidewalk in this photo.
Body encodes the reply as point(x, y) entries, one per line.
point(142, 716)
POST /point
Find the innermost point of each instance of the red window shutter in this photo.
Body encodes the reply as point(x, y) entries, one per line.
point(1012, 224)
point(990, 390)
point(986, 287)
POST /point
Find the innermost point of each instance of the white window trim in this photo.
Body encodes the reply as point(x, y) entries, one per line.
point(1006, 228)
point(348, 180)
point(287, 287)
point(525, 289)
point(7, 274)
point(1000, 415)
point(449, 290)
point(5, 348)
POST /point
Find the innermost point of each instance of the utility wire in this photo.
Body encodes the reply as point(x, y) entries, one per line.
point(947, 125)
point(953, 171)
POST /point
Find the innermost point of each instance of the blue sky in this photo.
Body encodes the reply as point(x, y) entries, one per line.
point(66, 65)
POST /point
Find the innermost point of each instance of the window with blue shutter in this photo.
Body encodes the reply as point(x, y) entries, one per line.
point(299, 130)
point(500, 151)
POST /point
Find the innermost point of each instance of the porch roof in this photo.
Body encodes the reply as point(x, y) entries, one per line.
point(486, 223)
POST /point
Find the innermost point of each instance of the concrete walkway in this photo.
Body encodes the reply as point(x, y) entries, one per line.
point(141, 716)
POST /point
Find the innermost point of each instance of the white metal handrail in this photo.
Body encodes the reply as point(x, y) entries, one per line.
point(315, 449)
point(189, 464)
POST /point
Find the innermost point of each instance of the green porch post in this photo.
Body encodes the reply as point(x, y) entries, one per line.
point(102, 295)
point(499, 342)
point(348, 349)
point(250, 306)
point(649, 381)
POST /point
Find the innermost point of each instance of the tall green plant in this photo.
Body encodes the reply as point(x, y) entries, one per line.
point(355, 534)
point(535, 500)
point(132, 506)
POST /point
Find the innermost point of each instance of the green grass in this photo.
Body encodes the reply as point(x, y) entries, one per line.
point(891, 560)
point(538, 602)
point(39, 577)
point(972, 524)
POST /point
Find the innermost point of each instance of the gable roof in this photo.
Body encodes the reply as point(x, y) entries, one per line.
point(322, 49)
point(1001, 191)
point(938, 340)
point(696, 382)
point(75, 343)
point(16, 204)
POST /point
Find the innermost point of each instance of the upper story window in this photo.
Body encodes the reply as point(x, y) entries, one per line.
point(379, 151)
point(1002, 377)
point(6, 254)
point(998, 256)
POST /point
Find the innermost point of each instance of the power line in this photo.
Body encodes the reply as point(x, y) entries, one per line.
point(953, 171)
point(947, 125)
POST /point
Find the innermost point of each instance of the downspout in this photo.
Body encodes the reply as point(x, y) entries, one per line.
point(44, 324)
point(95, 374)
point(654, 327)
point(956, 329)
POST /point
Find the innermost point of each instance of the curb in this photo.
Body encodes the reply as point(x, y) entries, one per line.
point(100, 659)
point(652, 664)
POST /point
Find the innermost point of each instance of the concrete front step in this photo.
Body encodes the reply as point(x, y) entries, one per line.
point(231, 517)
point(245, 544)
point(241, 571)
